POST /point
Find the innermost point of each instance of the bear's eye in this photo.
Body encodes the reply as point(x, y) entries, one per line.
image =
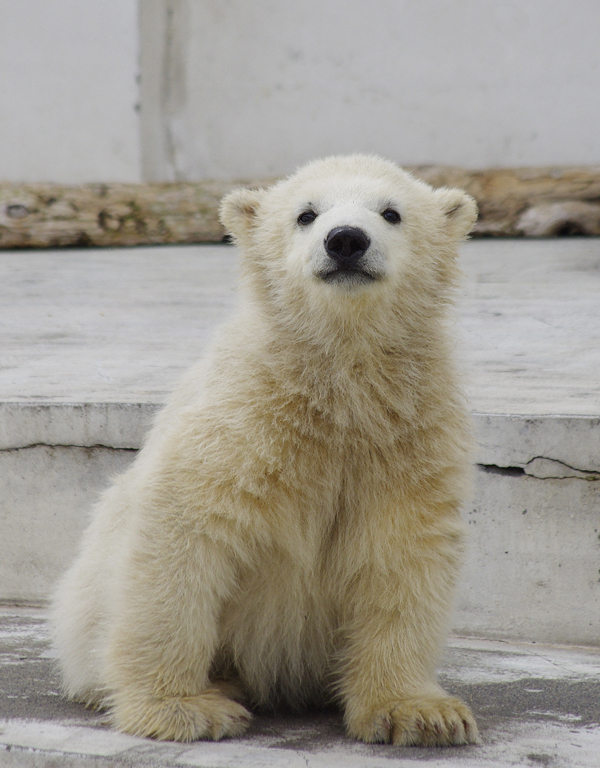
point(306, 217)
point(391, 216)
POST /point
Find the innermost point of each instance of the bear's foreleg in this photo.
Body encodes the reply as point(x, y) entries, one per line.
point(165, 639)
point(397, 622)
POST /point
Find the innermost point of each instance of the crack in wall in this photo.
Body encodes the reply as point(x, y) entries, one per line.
point(70, 445)
point(540, 467)
point(495, 469)
point(543, 468)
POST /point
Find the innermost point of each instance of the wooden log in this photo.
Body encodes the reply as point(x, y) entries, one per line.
point(55, 216)
point(534, 202)
point(527, 202)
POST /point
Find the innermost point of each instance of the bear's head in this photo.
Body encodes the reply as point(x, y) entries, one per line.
point(349, 237)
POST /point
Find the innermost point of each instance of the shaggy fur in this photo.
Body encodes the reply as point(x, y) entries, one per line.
point(290, 533)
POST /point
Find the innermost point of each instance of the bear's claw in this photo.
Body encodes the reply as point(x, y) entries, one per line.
point(209, 715)
point(417, 721)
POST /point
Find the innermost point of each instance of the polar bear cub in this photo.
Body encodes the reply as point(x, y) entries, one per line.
point(290, 532)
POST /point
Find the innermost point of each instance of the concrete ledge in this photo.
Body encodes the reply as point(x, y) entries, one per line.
point(85, 425)
point(91, 344)
point(526, 442)
point(503, 440)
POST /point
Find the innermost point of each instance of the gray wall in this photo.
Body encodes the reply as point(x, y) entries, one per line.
point(232, 88)
point(68, 91)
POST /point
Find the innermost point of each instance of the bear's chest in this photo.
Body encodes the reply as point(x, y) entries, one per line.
point(278, 631)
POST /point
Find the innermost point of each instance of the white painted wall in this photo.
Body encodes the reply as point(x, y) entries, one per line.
point(68, 90)
point(235, 88)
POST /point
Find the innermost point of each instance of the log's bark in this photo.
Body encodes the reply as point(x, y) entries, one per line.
point(534, 202)
point(529, 202)
point(51, 215)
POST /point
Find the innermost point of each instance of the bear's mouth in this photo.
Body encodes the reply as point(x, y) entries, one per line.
point(348, 276)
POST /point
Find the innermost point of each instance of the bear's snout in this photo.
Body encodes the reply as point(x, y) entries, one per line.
point(347, 245)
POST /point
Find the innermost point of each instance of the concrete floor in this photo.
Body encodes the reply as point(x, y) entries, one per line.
point(535, 706)
point(120, 325)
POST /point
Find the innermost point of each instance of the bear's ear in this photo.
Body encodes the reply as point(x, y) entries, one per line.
point(238, 211)
point(459, 209)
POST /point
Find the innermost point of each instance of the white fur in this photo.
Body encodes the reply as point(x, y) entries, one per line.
point(290, 532)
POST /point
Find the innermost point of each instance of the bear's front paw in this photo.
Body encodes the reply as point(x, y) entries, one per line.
point(416, 721)
point(209, 715)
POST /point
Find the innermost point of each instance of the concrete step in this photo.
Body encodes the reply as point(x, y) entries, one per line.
point(91, 340)
point(536, 705)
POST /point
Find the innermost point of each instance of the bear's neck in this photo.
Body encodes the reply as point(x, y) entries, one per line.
point(361, 374)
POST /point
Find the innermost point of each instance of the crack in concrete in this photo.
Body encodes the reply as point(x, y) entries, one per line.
point(544, 468)
point(540, 467)
point(495, 469)
point(581, 474)
point(87, 447)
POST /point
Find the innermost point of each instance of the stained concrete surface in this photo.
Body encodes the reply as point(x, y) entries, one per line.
point(535, 706)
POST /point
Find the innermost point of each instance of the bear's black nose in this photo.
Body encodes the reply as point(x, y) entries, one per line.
point(347, 245)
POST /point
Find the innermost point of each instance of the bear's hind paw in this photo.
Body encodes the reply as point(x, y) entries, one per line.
point(417, 721)
point(209, 715)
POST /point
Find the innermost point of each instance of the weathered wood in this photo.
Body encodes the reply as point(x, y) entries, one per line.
point(51, 215)
point(530, 202)
point(535, 202)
